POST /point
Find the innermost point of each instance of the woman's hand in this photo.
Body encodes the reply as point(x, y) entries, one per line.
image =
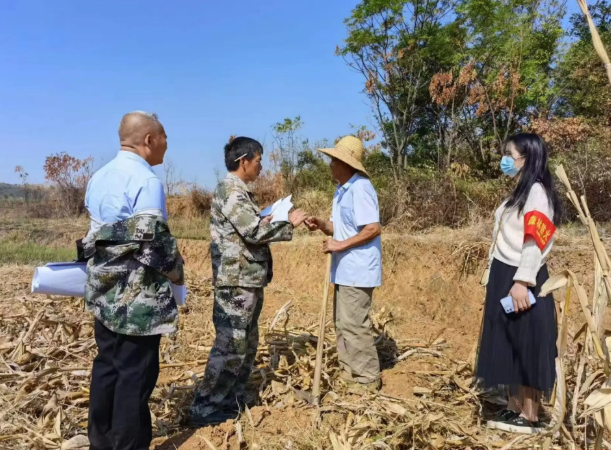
point(519, 294)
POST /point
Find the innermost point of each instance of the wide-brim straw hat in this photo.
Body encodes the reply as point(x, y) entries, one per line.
point(348, 149)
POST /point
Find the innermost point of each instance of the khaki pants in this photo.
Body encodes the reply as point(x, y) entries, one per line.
point(356, 349)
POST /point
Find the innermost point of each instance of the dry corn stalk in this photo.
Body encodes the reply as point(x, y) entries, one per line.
point(591, 382)
point(568, 279)
point(583, 213)
point(598, 44)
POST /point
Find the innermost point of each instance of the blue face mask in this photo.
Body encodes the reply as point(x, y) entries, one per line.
point(507, 166)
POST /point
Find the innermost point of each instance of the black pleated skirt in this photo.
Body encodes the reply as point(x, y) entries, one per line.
point(517, 349)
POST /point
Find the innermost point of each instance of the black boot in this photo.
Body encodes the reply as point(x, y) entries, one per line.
point(214, 418)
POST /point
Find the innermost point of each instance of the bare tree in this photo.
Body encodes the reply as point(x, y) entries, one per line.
point(172, 177)
point(23, 175)
point(69, 177)
point(287, 146)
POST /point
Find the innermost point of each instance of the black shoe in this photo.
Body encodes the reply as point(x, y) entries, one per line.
point(502, 416)
point(214, 418)
point(520, 425)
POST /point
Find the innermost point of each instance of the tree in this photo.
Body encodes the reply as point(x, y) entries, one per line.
point(397, 45)
point(584, 84)
point(69, 176)
point(452, 80)
point(287, 146)
point(172, 177)
point(23, 176)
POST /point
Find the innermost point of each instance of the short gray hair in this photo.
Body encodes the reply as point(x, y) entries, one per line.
point(148, 115)
point(137, 124)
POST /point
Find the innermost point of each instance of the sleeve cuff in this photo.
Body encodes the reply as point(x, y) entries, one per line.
point(526, 276)
point(530, 263)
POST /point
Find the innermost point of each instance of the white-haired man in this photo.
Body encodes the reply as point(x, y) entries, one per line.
point(132, 261)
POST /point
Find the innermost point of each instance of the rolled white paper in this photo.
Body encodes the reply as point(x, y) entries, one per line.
point(180, 293)
point(68, 279)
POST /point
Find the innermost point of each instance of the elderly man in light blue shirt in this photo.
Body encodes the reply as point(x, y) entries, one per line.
point(125, 186)
point(357, 261)
point(126, 367)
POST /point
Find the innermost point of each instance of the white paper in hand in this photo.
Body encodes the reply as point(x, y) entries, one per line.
point(280, 210)
point(268, 211)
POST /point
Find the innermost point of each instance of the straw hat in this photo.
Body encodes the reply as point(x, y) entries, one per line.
point(348, 149)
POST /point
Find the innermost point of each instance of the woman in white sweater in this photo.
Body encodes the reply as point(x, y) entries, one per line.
point(518, 349)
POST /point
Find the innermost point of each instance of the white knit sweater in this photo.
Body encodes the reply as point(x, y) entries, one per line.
point(511, 247)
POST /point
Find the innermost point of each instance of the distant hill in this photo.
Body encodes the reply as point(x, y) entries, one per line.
point(11, 190)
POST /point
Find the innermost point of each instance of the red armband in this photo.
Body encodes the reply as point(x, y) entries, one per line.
point(539, 227)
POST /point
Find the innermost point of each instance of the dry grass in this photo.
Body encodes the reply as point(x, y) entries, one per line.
point(430, 281)
point(47, 347)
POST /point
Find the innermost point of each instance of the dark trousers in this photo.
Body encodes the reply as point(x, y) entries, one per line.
point(124, 375)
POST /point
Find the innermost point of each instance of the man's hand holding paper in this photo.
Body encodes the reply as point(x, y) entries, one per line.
point(280, 211)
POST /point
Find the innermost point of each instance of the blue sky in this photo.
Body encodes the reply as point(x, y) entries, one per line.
point(70, 69)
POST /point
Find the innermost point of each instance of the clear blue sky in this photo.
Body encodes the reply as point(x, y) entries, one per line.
point(69, 70)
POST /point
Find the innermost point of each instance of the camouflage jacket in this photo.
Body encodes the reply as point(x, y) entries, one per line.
point(239, 238)
point(131, 264)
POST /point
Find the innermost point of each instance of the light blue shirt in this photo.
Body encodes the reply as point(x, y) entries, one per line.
point(355, 204)
point(123, 187)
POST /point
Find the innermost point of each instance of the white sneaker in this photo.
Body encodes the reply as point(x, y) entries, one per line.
point(519, 425)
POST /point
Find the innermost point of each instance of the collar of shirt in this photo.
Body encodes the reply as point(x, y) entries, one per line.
point(237, 180)
point(124, 154)
point(344, 187)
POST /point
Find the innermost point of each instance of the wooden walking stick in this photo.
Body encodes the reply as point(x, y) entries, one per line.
point(321, 332)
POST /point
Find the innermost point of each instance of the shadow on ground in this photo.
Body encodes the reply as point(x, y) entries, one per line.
point(177, 440)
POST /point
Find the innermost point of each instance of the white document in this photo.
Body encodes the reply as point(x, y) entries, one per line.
point(68, 279)
point(180, 293)
point(280, 210)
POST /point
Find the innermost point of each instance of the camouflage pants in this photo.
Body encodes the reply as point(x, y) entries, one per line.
point(235, 316)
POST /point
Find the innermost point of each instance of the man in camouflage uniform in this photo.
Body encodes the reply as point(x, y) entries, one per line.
point(241, 268)
point(131, 264)
point(132, 261)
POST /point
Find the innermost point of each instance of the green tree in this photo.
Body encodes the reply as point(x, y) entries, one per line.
point(287, 146)
point(397, 45)
point(584, 84)
point(451, 80)
point(313, 171)
point(503, 79)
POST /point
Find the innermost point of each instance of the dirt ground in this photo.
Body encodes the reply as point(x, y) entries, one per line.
point(430, 293)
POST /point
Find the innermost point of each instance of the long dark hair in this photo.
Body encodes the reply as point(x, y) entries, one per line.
point(535, 170)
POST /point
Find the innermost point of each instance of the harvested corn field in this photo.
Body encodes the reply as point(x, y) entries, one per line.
point(426, 316)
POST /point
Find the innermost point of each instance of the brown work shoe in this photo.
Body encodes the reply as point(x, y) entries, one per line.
point(345, 376)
